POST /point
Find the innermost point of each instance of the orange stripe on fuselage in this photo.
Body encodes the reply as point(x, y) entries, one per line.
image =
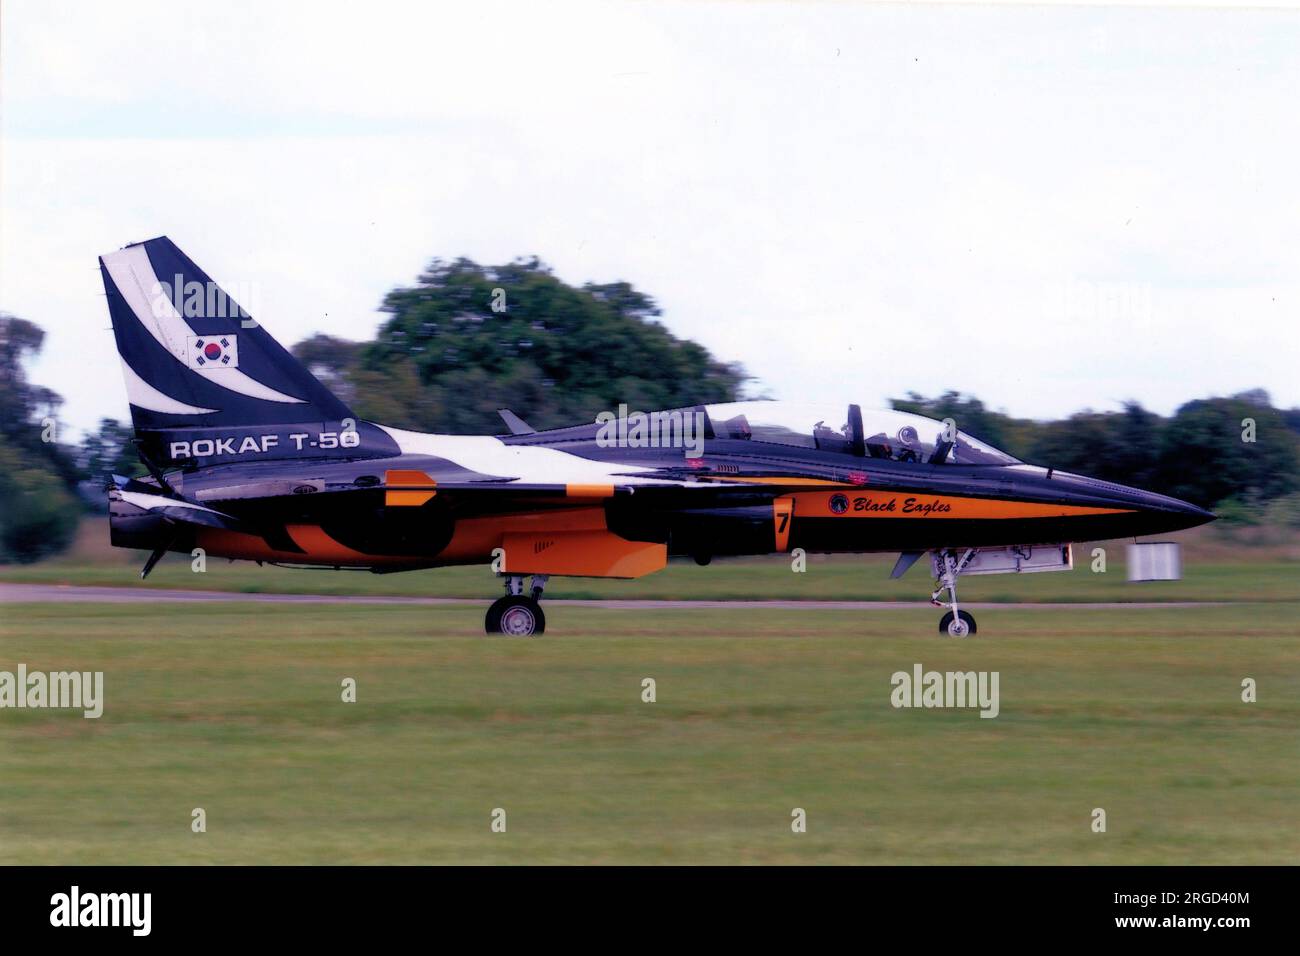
point(589, 491)
point(861, 503)
point(317, 548)
point(473, 540)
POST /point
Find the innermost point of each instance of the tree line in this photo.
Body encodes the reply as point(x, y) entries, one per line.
point(466, 339)
point(1210, 451)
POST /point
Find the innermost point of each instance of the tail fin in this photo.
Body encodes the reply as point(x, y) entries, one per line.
point(206, 383)
point(192, 357)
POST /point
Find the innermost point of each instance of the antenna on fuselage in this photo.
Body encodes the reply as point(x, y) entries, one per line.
point(516, 424)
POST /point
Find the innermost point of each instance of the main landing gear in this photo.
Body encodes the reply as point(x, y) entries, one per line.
point(955, 623)
point(517, 614)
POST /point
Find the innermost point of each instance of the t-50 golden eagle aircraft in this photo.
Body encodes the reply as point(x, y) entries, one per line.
point(252, 458)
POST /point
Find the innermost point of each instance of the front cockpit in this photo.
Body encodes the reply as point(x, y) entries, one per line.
point(879, 433)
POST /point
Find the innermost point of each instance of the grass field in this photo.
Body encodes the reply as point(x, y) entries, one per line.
point(1215, 569)
point(849, 578)
point(236, 709)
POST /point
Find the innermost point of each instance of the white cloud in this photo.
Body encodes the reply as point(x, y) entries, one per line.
point(1051, 208)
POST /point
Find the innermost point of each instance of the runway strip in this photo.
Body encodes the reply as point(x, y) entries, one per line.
point(65, 593)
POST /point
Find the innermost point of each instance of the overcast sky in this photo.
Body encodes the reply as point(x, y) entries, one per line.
point(1050, 208)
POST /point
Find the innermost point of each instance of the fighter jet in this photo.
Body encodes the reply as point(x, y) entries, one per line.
point(250, 457)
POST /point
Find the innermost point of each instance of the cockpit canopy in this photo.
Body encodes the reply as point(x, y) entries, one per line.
point(888, 434)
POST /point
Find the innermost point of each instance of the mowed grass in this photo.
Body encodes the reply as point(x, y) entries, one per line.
point(236, 709)
point(1214, 569)
point(841, 577)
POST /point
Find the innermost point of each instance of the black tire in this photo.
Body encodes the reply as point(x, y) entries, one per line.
point(492, 623)
point(964, 616)
point(515, 616)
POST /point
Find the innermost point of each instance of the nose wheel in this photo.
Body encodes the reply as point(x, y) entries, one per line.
point(963, 625)
point(518, 614)
point(956, 622)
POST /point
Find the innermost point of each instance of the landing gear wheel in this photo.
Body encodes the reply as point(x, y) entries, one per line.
point(963, 625)
point(515, 616)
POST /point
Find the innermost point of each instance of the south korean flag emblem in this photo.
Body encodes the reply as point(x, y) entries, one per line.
point(213, 351)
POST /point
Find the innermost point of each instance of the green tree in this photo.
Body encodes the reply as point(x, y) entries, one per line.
point(1199, 454)
point(39, 514)
point(1205, 457)
point(1121, 446)
point(468, 339)
point(108, 451)
point(39, 510)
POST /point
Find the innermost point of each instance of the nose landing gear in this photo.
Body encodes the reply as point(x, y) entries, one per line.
point(956, 622)
point(517, 614)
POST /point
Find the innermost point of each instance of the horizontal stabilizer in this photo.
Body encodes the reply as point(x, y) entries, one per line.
point(177, 509)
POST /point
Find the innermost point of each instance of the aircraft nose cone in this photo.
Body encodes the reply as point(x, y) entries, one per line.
point(1196, 515)
point(1173, 514)
point(1153, 513)
point(1177, 515)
